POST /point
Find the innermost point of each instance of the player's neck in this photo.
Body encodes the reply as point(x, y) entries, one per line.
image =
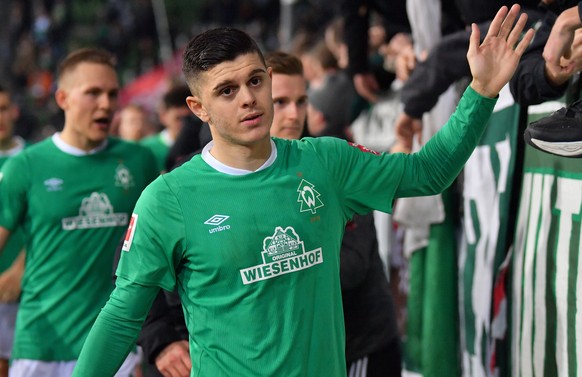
point(246, 157)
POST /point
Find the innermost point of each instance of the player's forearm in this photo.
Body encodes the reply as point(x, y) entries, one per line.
point(4, 236)
point(114, 332)
point(439, 162)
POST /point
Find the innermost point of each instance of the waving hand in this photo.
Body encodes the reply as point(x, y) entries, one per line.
point(494, 61)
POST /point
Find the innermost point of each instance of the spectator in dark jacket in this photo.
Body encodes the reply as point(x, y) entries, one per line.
point(536, 80)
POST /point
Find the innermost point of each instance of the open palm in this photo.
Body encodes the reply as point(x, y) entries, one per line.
point(494, 61)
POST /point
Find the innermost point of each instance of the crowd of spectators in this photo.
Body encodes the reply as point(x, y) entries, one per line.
point(41, 32)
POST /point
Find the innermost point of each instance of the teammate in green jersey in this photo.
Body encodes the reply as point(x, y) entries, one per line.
point(249, 231)
point(12, 260)
point(73, 195)
point(172, 112)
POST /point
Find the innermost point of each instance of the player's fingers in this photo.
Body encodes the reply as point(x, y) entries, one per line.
point(497, 22)
point(525, 41)
point(474, 40)
point(517, 29)
point(507, 24)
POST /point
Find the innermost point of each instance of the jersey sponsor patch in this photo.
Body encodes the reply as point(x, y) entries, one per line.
point(96, 211)
point(283, 253)
point(363, 148)
point(130, 232)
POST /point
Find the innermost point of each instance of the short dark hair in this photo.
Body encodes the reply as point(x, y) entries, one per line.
point(322, 53)
point(284, 63)
point(176, 97)
point(85, 55)
point(215, 46)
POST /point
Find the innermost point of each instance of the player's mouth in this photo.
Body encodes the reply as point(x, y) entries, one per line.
point(252, 119)
point(102, 122)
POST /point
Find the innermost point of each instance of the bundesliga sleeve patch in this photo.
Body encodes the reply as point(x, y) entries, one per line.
point(130, 232)
point(363, 148)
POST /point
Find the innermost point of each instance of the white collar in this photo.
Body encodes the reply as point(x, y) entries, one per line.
point(69, 149)
point(219, 166)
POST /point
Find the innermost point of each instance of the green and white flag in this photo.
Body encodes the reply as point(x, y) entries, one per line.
point(487, 187)
point(547, 285)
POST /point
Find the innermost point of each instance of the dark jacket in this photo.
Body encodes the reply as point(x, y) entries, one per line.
point(445, 64)
point(369, 312)
point(529, 85)
point(356, 16)
point(164, 324)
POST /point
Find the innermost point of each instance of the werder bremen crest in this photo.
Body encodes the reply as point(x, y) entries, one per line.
point(308, 197)
point(96, 212)
point(282, 253)
point(123, 177)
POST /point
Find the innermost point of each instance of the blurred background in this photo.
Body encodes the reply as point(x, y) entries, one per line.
point(147, 37)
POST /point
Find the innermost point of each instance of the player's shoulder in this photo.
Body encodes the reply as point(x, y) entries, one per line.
point(312, 144)
point(42, 147)
point(151, 140)
point(118, 145)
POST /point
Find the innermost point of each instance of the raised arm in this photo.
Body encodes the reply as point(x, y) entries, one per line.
point(492, 63)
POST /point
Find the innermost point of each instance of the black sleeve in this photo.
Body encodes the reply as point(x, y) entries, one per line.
point(356, 251)
point(356, 16)
point(445, 64)
point(164, 324)
point(529, 85)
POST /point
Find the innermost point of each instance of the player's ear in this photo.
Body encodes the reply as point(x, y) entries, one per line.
point(61, 98)
point(197, 108)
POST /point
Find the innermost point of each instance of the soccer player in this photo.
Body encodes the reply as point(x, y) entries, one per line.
point(73, 194)
point(163, 333)
point(249, 231)
point(12, 260)
point(289, 92)
point(172, 112)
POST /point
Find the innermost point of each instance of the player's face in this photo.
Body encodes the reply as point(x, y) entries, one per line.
point(290, 104)
point(8, 114)
point(133, 124)
point(234, 97)
point(173, 118)
point(88, 96)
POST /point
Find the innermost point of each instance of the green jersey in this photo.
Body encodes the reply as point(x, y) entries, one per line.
point(255, 255)
point(74, 209)
point(16, 241)
point(159, 144)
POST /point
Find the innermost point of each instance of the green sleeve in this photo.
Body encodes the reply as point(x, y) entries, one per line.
point(14, 181)
point(115, 331)
point(439, 162)
point(367, 180)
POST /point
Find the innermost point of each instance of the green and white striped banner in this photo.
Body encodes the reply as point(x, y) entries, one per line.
point(487, 187)
point(547, 288)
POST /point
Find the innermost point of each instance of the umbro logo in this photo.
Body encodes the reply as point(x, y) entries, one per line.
point(53, 184)
point(216, 220)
